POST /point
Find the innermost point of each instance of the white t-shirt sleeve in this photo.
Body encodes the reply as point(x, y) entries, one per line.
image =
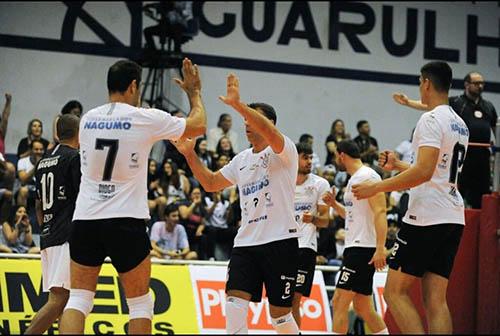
point(164, 125)
point(23, 164)
point(289, 151)
point(323, 187)
point(429, 131)
point(230, 171)
point(155, 231)
point(183, 241)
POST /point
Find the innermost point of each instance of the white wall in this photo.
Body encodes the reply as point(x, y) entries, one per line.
point(42, 81)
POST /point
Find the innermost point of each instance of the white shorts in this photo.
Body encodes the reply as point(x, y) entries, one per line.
point(55, 267)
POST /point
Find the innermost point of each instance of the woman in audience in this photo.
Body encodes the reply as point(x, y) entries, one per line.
point(337, 134)
point(193, 216)
point(35, 131)
point(201, 149)
point(224, 147)
point(17, 235)
point(156, 198)
point(175, 185)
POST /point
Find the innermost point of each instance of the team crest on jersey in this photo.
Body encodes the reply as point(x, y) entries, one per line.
point(444, 161)
point(265, 160)
point(310, 190)
point(62, 193)
point(134, 159)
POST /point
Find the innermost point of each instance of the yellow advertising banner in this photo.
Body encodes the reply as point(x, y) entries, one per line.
point(174, 311)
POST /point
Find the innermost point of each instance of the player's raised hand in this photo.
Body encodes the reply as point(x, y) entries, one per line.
point(232, 97)
point(191, 75)
point(329, 197)
point(387, 160)
point(8, 98)
point(400, 98)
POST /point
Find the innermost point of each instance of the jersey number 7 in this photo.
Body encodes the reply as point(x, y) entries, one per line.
point(456, 161)
point(112, 145)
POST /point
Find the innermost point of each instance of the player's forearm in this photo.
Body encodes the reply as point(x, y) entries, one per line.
point(255, 119)
point(197, 116)
point(380, 221)
point(417, 104)
point(401, 165)
point(339, 208)
point(200, 172)
point(5, 119)
point(409, 178)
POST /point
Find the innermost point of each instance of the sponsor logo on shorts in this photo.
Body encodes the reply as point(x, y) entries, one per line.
point(413, 217)
point(292, 230)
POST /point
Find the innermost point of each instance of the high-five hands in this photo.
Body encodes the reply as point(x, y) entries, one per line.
point(191, 74)
point(232, 97)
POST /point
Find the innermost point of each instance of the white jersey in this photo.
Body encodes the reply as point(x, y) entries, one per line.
point(308, 196)
point(359, 218)
point(266, 183)
point(438, 201)
point(115, 140)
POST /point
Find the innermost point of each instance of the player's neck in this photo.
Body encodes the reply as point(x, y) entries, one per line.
point(438, 99)
point(301, 178)
point(120, 98)
point(353, 166)
point(72, 144)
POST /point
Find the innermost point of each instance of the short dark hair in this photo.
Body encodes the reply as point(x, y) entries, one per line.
point(467, 77)
point(172, 207)
point(37, 140)
point(350, 148)
point(361, 123)
point(439, 73)
point(121, 74)
point(268, 110)
point(71, 105)
point(304, 148)
point(221, 118)
point(67, 126)
point(304, 137)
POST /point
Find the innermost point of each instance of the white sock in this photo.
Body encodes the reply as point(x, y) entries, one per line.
point(285, 324)
point(236, 315)
point(382, 332)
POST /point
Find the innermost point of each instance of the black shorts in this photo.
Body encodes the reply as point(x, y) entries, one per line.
point(305, 271)
point(421, 249)
point(273, 264)
point(356, 274)
point(124, 240)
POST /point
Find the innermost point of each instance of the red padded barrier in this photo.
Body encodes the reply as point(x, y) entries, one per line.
point(463, 282)
point(488, 299)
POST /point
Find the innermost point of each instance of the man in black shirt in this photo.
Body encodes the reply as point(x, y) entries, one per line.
point(480, 117)
point(57, 184)
point(367, 144)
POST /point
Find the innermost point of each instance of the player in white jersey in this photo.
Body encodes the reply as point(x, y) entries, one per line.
point(366, 232)
point(310, 212)
point(111, 208)
point(266, 247)
point(430, 235)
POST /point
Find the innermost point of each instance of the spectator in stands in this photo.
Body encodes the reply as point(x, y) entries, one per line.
point(35, 131)
point(169, 239)
point(404, 151)
point(392, 230)
point(72, 107)
point(223, 129)
point(26, 171)
point(201, 150)
point(224, 147)
point(234, 213)
point(220, 162)
point(17, 233)
point(156, 198)
point(316, 164)
point(337, 134)
point(5, 121)
point(217, 228)
point(367, 144)
point(175, 186)
point(193, 216)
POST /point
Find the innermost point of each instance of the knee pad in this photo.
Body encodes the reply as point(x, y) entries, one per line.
point(285, 324)
point(236, 315)
point(141, 307)
point(81, 300)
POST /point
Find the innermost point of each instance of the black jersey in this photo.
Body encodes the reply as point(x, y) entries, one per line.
point(57, 184)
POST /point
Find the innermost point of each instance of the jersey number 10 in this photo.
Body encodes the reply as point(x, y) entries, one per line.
point(47, 185)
